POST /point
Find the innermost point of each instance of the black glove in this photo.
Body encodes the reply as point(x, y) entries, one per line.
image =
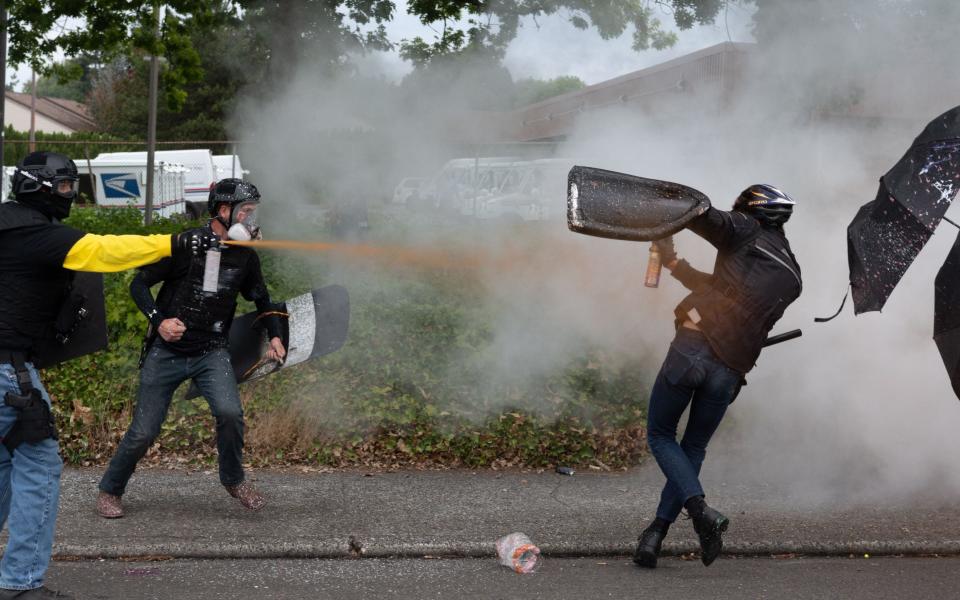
point(667, 252)
point(193, 241)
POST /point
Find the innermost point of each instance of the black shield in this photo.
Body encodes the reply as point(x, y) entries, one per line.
point(626, 207)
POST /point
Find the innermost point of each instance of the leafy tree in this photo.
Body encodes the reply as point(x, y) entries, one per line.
point(324, 30)
point(493, 24)
point(467, 80)
point(531, 91)
point(73, 79)
point(112, 28)
point(118, 100)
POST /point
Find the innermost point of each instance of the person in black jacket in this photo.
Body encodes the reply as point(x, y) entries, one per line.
point(721, 327)
point(39, 257)
point(192, 317)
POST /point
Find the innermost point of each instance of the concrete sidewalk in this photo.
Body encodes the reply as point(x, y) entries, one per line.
point(461, 513)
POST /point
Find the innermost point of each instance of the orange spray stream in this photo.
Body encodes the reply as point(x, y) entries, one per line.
point(390, 254)
point(530, 256)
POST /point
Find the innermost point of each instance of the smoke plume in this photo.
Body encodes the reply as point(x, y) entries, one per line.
point(830, 100)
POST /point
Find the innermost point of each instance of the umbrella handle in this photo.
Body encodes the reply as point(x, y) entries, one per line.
point(834, 316)
point(783, 337)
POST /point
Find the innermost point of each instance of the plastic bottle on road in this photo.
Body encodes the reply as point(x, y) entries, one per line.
point(518, 552)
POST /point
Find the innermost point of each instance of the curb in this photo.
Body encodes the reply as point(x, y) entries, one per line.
point(354, 548)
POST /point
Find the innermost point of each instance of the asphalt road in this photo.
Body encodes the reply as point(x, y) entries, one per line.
point(796, 578)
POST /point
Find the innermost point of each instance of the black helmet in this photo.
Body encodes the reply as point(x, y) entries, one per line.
point(37, 180)
point(765, 202)
point(45, 169)
point(231, 191)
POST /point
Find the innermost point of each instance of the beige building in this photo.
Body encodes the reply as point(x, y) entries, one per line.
point(53, 115)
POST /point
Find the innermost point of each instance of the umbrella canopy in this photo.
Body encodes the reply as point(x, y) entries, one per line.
point(946, 314)
point(888, 232)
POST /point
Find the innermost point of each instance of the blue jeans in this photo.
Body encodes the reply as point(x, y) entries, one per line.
point(163, 371)
point(29, 493)
point(691, 375)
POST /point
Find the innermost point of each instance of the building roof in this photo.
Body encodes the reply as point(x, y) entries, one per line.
point(72, 115)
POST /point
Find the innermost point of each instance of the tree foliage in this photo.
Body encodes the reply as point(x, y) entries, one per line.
point(492, 24)
point(109, 29)
point(328, 31)
point(118, 100)
point(73, 79)
point(531, 91)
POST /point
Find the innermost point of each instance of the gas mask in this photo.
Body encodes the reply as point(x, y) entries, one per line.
point(245, 223)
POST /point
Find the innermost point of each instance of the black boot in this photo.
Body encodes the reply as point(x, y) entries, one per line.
point(709, 525)
point(650, 542)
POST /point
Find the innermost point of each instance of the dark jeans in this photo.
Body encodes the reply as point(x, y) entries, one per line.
point(163, 371)
point(691, 375)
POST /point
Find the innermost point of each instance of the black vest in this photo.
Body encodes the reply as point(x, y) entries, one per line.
point(751, 287)
point(30, 299)
point(206, 315)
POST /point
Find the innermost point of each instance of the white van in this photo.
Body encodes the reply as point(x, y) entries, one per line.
point(461, 180)
point(123, 182)
point(534, 190)
point(228, 165)
point(198, 178)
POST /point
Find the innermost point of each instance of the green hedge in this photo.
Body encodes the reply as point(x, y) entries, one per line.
point(15, 147)
point(410, 386)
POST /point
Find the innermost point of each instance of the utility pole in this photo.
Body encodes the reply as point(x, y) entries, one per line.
point(3, 73)
point(152, 118)
point(33, 111)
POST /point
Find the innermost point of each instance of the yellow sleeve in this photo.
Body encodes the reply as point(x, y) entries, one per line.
point(110, 253)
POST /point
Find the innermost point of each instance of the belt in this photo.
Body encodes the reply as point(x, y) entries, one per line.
point(12, 356)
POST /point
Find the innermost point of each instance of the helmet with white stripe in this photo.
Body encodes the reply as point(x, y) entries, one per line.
point(766, 203)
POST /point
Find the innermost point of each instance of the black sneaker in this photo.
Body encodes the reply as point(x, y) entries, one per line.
point(710, 526)
point(40, 593)
point(648, 546)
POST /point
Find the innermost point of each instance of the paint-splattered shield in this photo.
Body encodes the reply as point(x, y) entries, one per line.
point(626, 207)
point(313, 325)
point(946, 315)
point(887, 233)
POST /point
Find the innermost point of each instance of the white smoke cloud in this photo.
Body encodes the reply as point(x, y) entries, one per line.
point(856, 408)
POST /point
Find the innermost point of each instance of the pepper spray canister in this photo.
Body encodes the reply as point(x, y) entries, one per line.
point(654, 265)
point(211, 271)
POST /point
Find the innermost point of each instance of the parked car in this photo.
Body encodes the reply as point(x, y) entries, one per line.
point(408, 188)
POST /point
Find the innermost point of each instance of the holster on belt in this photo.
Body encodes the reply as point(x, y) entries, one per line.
point(34, 420)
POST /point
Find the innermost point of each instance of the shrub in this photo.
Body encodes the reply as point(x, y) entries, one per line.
point(410, 386)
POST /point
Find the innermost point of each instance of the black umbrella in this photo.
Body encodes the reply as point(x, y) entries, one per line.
point(946, 314)
point(888, 232)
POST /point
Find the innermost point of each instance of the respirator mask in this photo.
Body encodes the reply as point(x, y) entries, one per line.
point(245, 222)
